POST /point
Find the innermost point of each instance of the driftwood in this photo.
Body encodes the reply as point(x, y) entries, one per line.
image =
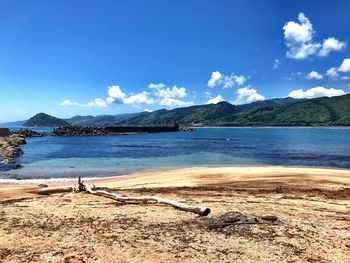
point(82, 187)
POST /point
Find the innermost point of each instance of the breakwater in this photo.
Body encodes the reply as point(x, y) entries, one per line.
point(96, 131)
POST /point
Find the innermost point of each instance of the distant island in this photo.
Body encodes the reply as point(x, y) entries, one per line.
point(325, 111)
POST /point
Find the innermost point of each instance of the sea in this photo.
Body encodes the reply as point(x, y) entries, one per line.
point(59, 158)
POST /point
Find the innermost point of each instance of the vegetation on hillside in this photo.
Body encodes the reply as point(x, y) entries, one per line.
point(44, 120)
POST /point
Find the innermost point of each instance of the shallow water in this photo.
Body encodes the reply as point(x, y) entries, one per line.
point(100, 156)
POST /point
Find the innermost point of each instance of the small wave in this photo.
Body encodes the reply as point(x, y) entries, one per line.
point(48, 180)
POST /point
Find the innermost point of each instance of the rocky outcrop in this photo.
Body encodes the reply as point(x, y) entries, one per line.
point(185, 129)
point(30, 133)
point(10, 148)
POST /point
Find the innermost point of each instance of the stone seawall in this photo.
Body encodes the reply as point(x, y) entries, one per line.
point(96, 131)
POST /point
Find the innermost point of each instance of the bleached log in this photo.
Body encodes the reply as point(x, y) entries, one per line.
point(203, 211)
point(81, 187)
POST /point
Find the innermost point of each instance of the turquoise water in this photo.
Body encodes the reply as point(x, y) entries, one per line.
point(100, 156)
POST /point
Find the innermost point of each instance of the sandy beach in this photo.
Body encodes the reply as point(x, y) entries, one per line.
point(311, 205)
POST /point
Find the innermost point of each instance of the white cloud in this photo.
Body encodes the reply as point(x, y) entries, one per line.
point(332, 73)
point(170, 102)
point(345, 78)
point(248, 95)
point(156, 86)
point(240, 80)
point(314, 75)
point(315, 92)
point(276, 63)
point(66, 103)
point(165, 92)
point(298, 38)
point(139, 98)
point(97, 103)
point(218, 79)
point(173, 92)
point(165, 96)
point(115, 95)
point(170, 96)
point(300, 42)
point(331, 44)
point(215, 100)
point(345, 66)
point(214, 79)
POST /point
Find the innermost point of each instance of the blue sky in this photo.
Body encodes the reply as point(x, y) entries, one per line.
point(110, 57)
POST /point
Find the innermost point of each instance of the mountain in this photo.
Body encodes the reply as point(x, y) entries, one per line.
point(12, 124)
point(100, 120)
point(44, 120)
point(323, 111)
point(209, 114)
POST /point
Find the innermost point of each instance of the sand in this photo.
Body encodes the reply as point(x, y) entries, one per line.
point(312, 206)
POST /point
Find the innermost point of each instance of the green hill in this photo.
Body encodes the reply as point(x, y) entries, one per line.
point(100, 120)
point(324, 111)
point(276, 112)
point(333, 111)
point(44, 120)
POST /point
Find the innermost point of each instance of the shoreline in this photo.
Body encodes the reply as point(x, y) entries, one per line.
point(58, 180)
point(252, 177)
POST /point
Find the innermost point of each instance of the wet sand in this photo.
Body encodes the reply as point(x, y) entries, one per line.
point(312, 206)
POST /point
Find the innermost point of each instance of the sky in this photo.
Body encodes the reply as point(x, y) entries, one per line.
point(87, 57)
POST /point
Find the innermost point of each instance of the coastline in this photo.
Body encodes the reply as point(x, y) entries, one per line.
point(237, 176)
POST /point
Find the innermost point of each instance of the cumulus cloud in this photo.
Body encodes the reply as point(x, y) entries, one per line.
point(300, 43)
point(332, 73)
point(214, 79)
point(139, 98)
point(226, 81)
point(115, 95)
point(170, 96)
point(298, 37)
point(165, 92)
point(314, 75)
point(276, 63)
point(315, 92)
point(331, 44)
point(215, 100)
point(171, 102)
point(345, 66)
point(248, 95)
point(66, 103)
point(165, 96)
point(99, 103)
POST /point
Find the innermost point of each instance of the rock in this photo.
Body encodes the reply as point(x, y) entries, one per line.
point(4, 132)
point(30, 133)
point(230, 221)
point(185, 129)
point(279, 189)
point(10, 148)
